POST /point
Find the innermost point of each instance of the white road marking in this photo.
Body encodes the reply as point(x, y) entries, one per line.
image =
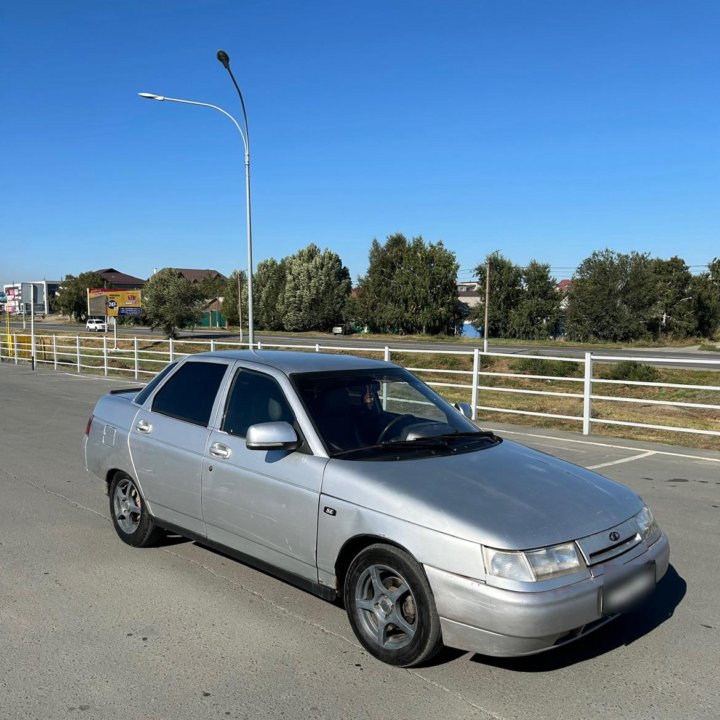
point(699, 458)
point(563, 448)
point(623, 460)
point(104, 378)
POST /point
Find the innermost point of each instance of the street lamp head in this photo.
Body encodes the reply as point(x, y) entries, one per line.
point(224, 58)
point(151, 96)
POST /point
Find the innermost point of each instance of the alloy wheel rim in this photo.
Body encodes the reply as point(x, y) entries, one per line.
point(127, 506)
point(385, 607)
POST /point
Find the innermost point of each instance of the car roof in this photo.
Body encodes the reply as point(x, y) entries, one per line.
point(289, 361)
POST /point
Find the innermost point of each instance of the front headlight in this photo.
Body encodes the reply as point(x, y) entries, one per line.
point(647, 527)
point(510, 565)
point(533, 565)
point(554, 561)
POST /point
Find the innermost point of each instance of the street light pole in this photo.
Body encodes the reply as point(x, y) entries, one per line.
point(243, 135)
point(224, 58)
point(239, 305)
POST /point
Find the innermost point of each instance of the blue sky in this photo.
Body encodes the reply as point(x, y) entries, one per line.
point(545, 130)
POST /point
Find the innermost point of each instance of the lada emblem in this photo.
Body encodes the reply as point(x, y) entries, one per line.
point(614, 536)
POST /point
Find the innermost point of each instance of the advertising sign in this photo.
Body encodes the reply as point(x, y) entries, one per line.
point(114, 303)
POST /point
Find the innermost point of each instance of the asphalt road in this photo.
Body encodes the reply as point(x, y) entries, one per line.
point(91, 628)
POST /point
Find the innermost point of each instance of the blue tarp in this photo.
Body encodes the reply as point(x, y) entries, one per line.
point(470, 331)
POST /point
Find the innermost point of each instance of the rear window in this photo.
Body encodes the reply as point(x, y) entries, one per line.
point(144, 394)
point(190, 393)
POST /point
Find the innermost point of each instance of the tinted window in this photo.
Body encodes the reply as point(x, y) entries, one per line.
point(254, 398)
point(190, 393)
point(143, 395)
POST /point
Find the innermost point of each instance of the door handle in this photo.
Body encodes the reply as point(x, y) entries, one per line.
point(219, 450)
point(143, 426)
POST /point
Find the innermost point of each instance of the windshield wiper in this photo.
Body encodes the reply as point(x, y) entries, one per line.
point(419, 444)
point(471, 434)
point(435, 442)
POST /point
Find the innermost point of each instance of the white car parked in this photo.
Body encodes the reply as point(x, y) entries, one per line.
point(96, 325)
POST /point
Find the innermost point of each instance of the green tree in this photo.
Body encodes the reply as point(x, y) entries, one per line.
point(705, 291)
point(72, 296)
point(317, 286)
point(537, 314)
point(410, 287)
point(268, 289)
point(431, 271)
point(612, 298)
point(673, 311)
point(171, 302)
point(230, 309)
point(381, 298)
point(506, 290)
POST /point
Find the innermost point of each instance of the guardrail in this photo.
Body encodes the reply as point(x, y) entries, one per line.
point(574, 397)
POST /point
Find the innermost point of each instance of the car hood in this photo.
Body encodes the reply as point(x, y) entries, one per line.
point(506, 496)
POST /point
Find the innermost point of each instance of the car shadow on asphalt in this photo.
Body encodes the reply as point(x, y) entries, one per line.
point(625, 630)
point(170, 538)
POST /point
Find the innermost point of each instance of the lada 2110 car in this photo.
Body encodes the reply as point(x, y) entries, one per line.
point(350, 477)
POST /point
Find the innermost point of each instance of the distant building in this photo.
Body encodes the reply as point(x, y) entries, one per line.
point(563, 287)
point(42, 291)
point(119, 280)
point(196, 276)
point(469, 293)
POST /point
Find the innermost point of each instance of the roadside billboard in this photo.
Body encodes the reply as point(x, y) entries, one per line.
point(114, 303)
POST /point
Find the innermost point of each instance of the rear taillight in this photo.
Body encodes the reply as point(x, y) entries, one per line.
point(89, 425)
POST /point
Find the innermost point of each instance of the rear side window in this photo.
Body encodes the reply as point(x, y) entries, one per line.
point(143, 395)
point(190, 393)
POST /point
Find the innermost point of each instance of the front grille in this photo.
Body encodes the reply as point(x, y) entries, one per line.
point(600, 547)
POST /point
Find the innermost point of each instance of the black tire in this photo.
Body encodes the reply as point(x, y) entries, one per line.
point(391, 607)
point(130, 517)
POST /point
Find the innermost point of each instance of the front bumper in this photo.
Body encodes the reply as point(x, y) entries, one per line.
point(481, 618)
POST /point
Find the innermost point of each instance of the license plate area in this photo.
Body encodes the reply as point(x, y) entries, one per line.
point(623, 594)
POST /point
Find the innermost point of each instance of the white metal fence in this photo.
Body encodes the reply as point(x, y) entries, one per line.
point(141, 358)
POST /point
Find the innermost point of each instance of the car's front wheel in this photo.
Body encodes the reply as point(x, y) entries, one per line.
point(391, 607)
point(129, 513)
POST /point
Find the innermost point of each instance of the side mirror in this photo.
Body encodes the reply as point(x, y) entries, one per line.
point(464, 408)
point(271, 436)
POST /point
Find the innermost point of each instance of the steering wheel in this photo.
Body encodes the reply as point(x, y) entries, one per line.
point(395, 421)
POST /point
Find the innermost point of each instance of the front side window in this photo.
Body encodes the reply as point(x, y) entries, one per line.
point(254, 398)
point(190, 393)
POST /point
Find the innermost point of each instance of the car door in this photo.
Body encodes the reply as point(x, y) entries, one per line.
point(263, 503)
point(169, 438)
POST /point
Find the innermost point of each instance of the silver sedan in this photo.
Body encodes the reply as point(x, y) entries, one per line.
point(353, 479)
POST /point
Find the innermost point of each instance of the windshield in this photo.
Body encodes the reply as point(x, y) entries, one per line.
point(378, 409)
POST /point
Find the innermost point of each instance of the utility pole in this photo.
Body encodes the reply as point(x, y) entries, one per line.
point(487, 303)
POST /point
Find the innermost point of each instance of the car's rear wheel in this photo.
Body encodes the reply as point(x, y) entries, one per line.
point(129, 513)
point(391, 607)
